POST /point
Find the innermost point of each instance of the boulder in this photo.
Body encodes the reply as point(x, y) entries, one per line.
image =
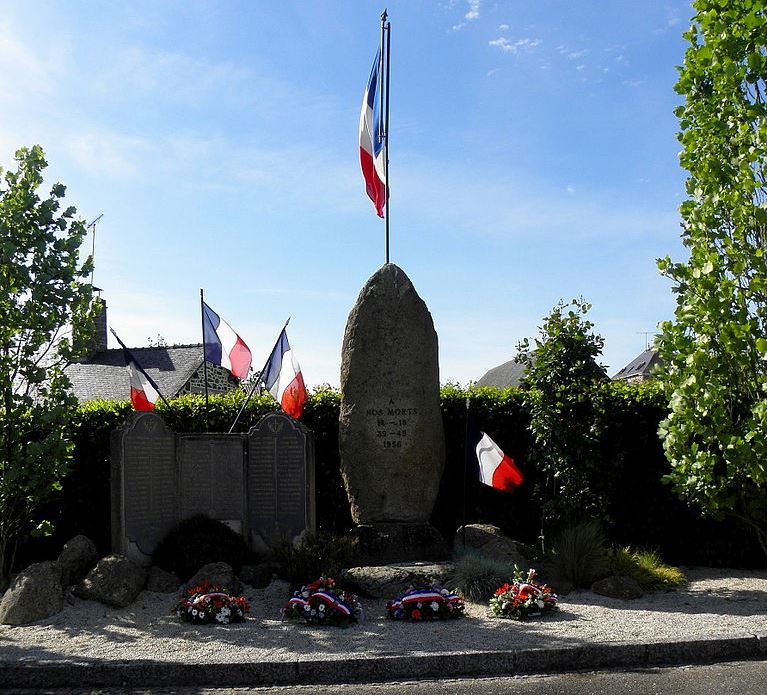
point(76, 559)
point(618, 587)
point(259, 575)
point(388, 581)
point(162, 582)
point(391, 435)
point(217, 573)
point(35, 594)
point(115, 581)
point(490, 541)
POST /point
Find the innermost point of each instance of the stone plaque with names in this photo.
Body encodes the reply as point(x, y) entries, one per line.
point(144, 485)
point(280, 481)
point(212, 477)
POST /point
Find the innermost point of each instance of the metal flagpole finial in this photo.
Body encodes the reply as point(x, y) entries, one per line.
point(385, 15)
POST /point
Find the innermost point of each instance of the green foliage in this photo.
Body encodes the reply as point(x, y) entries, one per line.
point(579, 554)
point(45, 306)
point(196, 542)
point(477, 576)
point(647, 569)
point(715, 350)
point(561, 388)
point(320, 555)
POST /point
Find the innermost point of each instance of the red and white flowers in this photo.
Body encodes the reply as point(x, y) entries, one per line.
point(523, 598)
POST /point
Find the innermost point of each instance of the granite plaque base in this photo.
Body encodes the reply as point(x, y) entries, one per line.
point(385, 543)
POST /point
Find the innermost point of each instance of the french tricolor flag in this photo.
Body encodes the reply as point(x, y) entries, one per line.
point(222, 345)
point(144, 393)
point(496, 469)
point(372, 149)
point(283, 379)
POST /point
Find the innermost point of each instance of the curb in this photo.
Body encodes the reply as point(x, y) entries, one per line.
point(305, 670)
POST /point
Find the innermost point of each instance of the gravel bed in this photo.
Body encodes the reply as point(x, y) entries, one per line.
point(715, 603)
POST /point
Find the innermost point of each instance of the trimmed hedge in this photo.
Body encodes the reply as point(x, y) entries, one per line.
point(641, 512)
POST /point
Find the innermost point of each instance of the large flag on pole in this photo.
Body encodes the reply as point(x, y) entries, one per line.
point(144, 392)
point(222, 345)
point(283, 379)
point(372, 146)
point(496, 469)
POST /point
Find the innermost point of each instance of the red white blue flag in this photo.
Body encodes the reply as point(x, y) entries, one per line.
point(222, 345)
point(144, 393)
point(496, 469)
point(372, 148)
point(283, 379)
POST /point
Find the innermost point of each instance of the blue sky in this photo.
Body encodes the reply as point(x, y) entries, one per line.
point(533, 158)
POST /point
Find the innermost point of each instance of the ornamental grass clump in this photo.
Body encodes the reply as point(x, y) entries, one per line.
point(647, 569)
point(579, 554)
point(476, 576)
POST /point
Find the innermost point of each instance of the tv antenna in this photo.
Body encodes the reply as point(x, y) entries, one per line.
point(92, 226)
point(646, 340)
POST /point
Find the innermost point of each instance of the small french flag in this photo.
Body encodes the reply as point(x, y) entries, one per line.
point(222, 345)
point(283, 379)
point(496, 469)
point(372, 149)
point(144, 393)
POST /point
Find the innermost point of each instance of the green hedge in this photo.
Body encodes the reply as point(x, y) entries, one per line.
point(642, 511)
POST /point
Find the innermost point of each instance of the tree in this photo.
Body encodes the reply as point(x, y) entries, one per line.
point(715, 436)
point(45, 320)
point(562, 391)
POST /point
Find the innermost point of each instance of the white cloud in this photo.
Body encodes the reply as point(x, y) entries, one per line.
point(473, 12)
point(515, 47)
point(574, 55)
point(503, 27)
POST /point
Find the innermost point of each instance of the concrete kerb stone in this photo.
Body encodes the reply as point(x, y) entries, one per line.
point(382, 668)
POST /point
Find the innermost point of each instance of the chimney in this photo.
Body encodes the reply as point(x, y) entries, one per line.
point(98, 341)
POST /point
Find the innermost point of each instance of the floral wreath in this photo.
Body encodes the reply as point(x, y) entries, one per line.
point(425, 604)
point(211, 603)
point(321, 603)
point(523, 598)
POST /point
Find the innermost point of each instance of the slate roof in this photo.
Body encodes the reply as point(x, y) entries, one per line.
point(103, 375)
point(507, 374)
point(641, 366)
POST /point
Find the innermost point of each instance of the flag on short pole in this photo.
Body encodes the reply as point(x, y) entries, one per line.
point(222, 345)
point(283, 379)
point(372, 147)
point(496, 469)
point(144, 392)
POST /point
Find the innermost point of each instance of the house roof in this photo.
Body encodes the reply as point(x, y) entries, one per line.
point(640, 366)
point(104, 376)
point(507, 374)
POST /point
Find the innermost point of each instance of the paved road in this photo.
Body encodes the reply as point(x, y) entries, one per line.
point(736, 678)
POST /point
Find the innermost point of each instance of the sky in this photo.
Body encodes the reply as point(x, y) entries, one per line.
point(533, 159)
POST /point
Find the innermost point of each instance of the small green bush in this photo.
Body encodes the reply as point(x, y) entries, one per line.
point(647, 569)
point(579, 554)
point(198, 541)
point(320, 555)
point(477, 576)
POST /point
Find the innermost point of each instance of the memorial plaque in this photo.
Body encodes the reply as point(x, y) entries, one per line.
point(280, 481)
point(212, 477)
point(144, 486)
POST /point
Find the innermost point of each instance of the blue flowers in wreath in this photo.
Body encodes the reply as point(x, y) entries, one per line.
point(425, 604)
point(322, 604)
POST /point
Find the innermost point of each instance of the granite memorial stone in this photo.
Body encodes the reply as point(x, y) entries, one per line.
point(390, 431)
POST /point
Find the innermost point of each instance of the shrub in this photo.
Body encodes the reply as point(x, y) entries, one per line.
point(198, 541)
point(579, 554)
point(647, 569)
point(477, 576)
point(320, 555)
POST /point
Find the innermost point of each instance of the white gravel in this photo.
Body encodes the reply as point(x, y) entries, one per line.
point(715, 603)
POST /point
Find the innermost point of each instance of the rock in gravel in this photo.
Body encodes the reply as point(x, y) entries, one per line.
point(260, 575)
point(34, 594)
point(115, 581)
point(490, 541)
point(388, 581)
point(162, 582)
point(217, 573)
point(76, 559)
point(618, 587)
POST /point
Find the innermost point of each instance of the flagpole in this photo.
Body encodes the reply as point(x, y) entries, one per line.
point(384, 120)
point(259, 380)
point(465, 469)
point(204, 359)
